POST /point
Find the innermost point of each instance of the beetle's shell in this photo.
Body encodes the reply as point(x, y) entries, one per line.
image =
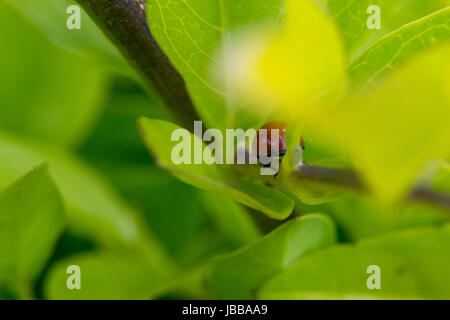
point(261, 140)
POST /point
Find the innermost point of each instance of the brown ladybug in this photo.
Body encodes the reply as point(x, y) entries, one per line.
point(265, 139)
point(263, 143)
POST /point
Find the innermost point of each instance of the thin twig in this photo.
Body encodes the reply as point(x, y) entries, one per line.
point(432, 197)
point(338, 177)
point(350, 180)
point(124, 22)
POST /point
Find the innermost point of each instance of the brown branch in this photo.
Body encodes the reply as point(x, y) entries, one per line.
point(337, 177)
point(350, 180)
point(124, 22)
point(432, 197)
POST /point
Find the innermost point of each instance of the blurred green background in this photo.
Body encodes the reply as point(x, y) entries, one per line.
point(62, 107)
point(68, 110)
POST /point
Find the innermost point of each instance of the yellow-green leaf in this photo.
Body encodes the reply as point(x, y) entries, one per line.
point(399, 46)
point(297, 71)
point(191, 32)
point(351, 17)
point(393, 131)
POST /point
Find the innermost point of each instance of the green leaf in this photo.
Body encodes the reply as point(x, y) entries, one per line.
point(413, 264)
point(238, 275)
point(361, 216)
point(393, 131)
point(90, 200)
point(50, 17)
point(399, 46)
point(31, 220)
point(46, 93)
point(157, 136)
point(190, 33)
point(351, 18)
point(322, 152)
point(233, 220)
point(307, 191)
point(106, 275)
point(442, 179)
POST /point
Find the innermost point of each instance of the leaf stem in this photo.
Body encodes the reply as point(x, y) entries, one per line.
point(124, 22)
